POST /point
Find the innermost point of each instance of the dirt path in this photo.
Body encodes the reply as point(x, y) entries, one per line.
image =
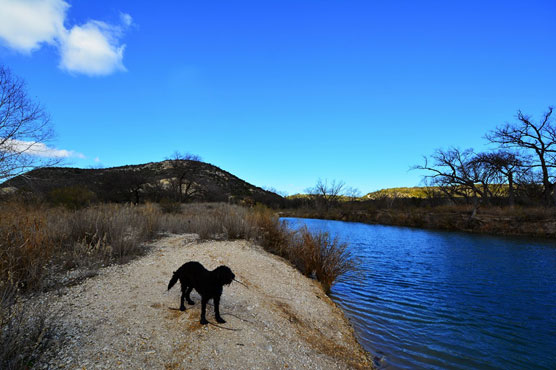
point(125, 318)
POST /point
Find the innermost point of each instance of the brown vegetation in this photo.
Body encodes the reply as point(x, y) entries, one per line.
point(38, 241)
point(518, 220)
point(315, 254)
point(39, 245)
point(25, 332)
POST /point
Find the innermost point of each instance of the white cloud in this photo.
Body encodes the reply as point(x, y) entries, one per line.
point(93, 48)
point(37, 149)
point(25, 24)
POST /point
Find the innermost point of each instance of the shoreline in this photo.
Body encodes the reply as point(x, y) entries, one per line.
point(482, 223)
point(283, 319)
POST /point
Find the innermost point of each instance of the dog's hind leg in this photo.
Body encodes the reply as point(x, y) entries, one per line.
point(189, 300)
point(217, 316)
point(183, 294)
point(203, 310)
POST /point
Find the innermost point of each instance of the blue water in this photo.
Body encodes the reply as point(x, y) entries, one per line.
point(436, 300)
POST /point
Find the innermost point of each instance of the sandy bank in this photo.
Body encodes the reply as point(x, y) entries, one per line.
point(125, 318)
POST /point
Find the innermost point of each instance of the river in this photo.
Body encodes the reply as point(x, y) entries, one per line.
point(436, 300)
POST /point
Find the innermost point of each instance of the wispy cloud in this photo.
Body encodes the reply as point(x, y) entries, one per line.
point(37, 149)
point(126, 19)
point(93, 48)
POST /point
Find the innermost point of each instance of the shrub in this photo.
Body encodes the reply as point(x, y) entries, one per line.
point(273, 235)
point(315, 254)
point(170, 206)
point(25, 333)
point(26, 246)
point(35, 242)
point(71, 197)
point(322, 257)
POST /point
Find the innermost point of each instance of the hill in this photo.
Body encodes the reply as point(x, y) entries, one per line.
point(153, 181)
point(414, 192)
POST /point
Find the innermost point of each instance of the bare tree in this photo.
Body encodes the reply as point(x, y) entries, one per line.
point(184, 168)
point(353, 193)
point(505, 168)
point(119, 186)
point(459, 173)
point(324, 194)
point(529, 185)
point(536, 139)
point(24, 128)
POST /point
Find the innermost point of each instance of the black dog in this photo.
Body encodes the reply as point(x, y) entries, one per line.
point(208, 284)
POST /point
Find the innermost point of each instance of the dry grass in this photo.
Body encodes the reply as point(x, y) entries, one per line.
point(315, 254)
point(37, 242)
point(25, 331)
point(273, 235)
point(322, 256)
point(38, 245)
point(209, 221)
point(26, 243)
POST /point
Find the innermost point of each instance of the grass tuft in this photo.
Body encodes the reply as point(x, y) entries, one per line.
point(315, 254)
point(26, 331)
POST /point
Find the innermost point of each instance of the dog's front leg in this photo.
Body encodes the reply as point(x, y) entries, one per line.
point(203, 310)
point(219, 319)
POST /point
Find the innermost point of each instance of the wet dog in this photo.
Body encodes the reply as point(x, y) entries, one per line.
point(192, 275)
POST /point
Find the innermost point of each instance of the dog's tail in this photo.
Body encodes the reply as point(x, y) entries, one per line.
point(173, 280)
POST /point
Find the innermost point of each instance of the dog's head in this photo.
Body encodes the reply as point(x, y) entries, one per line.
point(224, 275)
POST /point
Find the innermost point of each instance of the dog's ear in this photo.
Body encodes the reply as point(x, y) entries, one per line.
point(220, 275)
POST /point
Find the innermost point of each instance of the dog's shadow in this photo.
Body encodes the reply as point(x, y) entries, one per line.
point(195, 325)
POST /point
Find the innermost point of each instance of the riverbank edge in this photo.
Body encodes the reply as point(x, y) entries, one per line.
point(521, 226)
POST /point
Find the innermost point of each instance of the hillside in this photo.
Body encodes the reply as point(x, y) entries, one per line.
point(428, 191)
point(414, 192)
point(151, 181)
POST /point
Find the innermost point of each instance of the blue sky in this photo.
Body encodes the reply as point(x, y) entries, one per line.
point(281, 93)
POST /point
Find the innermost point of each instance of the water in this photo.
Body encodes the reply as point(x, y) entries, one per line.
point(437, 300)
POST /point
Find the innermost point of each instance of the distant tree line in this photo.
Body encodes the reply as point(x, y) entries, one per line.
point(521, 168)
